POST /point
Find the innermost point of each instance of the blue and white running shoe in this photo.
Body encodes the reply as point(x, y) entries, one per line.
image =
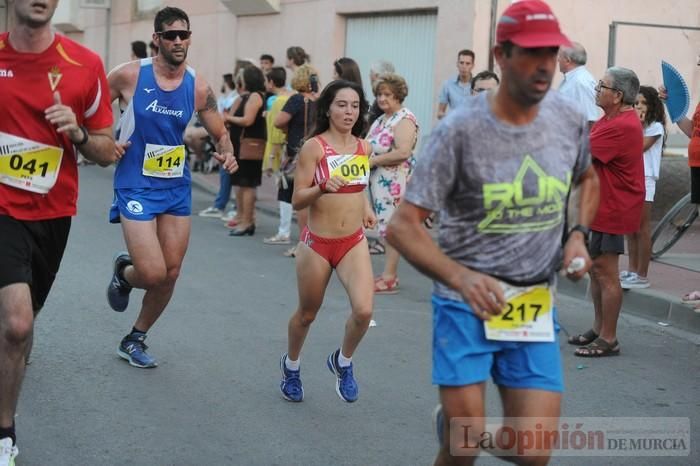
point(118, 289)
point(290, 386)
point(345, 384)
point(133, 349)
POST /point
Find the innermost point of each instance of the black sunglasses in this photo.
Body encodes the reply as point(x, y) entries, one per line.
point(174, 34)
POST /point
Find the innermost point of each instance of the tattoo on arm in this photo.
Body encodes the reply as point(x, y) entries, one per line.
point(210, 103)
point(224, 145)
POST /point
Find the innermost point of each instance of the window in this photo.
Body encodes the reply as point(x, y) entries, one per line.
point(147, 6)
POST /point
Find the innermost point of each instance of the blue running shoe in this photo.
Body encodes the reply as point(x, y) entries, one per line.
point(118, 289)
point(439, 423)
point(345, 385)
point(133, 349)
point(290, 386)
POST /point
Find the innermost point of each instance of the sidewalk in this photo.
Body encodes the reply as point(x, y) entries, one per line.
point(676, 273)
point(267, 192)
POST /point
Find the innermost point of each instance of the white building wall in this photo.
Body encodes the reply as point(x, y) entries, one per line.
point(319, 26)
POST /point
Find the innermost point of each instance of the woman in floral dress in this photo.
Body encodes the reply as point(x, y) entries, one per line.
point(392, 136)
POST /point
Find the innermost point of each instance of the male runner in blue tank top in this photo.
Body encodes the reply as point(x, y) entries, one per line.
point(152, 185)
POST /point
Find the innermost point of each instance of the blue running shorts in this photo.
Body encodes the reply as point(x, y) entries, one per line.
point(144, 204)
point(463, 356)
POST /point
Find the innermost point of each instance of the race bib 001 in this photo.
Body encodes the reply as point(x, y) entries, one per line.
point(27, 164)
point(164, 161)
point(526, 317)
point(353, 168)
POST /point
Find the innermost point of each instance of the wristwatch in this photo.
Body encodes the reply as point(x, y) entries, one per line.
point(584, 230)
point(85, 138)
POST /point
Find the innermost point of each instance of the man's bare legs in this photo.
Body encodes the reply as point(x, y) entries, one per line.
point(607, 296)
point(524, 407)
point(157, 249)
point(16, 328)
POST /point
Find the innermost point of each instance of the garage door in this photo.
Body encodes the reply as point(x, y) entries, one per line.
point(407, 41)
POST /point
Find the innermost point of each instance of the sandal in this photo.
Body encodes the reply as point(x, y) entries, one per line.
point(583, 338)
point(376, 247)
point(277, 239)
point(599, 348)
point(291, 252)
point(429, 221)
point(382, 286)
point(691, 298)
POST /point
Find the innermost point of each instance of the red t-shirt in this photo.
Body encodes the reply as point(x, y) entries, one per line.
point(694, 145)
point(618, 157)
point(27, 84)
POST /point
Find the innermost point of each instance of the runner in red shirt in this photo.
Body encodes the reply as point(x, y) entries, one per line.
point(66, 105)
point(617, 147)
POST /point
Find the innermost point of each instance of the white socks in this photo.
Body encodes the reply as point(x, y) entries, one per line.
point(292, 365)
point(342, 360)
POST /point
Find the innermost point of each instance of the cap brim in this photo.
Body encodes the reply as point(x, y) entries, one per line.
point(530, 41)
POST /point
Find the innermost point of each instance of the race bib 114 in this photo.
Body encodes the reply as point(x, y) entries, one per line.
point(27, 164)
point(164, 161)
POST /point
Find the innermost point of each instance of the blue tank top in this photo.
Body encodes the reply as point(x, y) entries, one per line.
point(154, 122)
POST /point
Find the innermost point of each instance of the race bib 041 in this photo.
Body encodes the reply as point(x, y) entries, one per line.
point(27, 164)
point(526, 317)
point(353, 168)
point(164, 161)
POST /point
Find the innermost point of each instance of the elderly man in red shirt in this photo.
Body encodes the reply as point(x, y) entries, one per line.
point(617, 148)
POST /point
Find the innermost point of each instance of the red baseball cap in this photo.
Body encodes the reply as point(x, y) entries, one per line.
point(530, 24)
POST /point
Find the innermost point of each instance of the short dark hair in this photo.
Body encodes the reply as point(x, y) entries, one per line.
point(323, 105)
point(169, 15)
point(298, 55)
point(348, 69)
point(466, 52)
point(507, 47)
point(483, 76)
point(268, 57)
point(254, 79)
point(277, 75)
point(138, 48)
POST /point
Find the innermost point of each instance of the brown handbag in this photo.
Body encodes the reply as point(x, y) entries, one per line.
point(251, 148)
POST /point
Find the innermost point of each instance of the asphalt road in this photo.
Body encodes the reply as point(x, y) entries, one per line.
point(215, 400)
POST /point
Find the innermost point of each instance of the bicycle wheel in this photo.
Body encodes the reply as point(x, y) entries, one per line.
point(672, 226)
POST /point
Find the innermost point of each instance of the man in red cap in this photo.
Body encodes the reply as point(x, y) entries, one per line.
point(502, 203)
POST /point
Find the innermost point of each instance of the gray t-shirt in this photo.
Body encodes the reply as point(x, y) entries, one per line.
point(501, 189)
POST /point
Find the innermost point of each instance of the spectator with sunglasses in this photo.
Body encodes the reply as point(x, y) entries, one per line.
point(152, 183)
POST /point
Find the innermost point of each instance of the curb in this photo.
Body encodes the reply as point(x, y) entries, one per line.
point(650, 304)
